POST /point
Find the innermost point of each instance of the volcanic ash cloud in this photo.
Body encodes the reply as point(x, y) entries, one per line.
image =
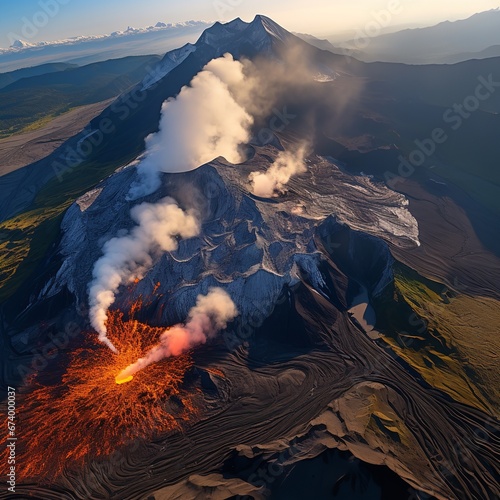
point(203, 122)
point(277, 176)
point(127, 258)
point(211, 314)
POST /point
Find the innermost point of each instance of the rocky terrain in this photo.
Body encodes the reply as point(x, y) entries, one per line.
point(379, 402)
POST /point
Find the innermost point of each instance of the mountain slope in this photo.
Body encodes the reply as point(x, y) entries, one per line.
point(493, 51)
point(436, 44)
point(54, 93)
point(13, 76)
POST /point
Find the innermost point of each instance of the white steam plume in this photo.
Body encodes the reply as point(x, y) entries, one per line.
point(128, 257)
point(286, 165)
point(203, 122)
point(211, 314)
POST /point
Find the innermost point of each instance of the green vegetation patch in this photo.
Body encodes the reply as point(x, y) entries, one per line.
point(445, 337)
point(24, 240)
point(31, 102)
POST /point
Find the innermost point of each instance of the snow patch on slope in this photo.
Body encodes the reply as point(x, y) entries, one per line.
point(171, 60)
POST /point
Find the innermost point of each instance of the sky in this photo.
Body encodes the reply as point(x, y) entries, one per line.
point(67, 18)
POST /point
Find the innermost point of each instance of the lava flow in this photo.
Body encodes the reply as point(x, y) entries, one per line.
point(123, 380)
point(89, 414)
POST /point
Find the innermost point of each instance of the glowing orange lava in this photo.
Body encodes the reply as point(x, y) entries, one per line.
point(120, 381)
point(89, 414)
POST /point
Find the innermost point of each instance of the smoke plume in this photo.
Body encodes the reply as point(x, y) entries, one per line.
point(212, 117)
point(211, 314)
point(127, 258)
point(203, 122)
point(273, 181)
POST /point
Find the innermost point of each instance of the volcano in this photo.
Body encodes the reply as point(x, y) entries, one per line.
point(358, 285)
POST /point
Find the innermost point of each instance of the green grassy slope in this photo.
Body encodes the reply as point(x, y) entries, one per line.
point(13, 76)
point(446, 337)
point(29, 100)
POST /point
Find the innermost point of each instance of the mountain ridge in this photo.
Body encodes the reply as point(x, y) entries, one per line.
point(434, 44)
point(21, 44)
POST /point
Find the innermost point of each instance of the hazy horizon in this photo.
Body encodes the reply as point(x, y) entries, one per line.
point(60, 19)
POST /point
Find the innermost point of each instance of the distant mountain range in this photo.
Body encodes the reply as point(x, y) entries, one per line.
point(12, 76)
point(476, 37)
point(20, 44)
point(324, 44)
point(80, 50)
point(493, 51)
point(446, 42)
